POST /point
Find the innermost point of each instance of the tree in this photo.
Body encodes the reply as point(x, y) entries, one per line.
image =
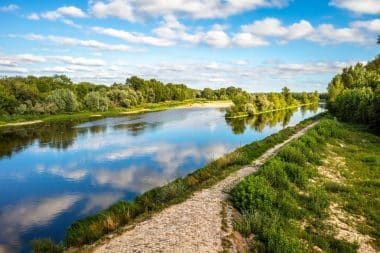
point(64, 100)
point(94, 101)
point(378, 39)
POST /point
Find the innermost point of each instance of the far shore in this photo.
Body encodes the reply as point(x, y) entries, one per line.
point(148, 108)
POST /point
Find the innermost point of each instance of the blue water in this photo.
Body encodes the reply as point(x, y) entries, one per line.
point(53, 174)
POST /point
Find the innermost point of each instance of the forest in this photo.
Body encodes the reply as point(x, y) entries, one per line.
point(354, 94)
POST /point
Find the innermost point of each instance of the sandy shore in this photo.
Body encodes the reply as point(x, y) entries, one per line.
point(22, 123)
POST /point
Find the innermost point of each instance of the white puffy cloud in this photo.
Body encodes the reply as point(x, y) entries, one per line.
point(216, 37)
point(328, 34)
point(370, 25)
point(64, 11)
point(171, 28)
point(358, 6)
point(273, 27)
point(8, 8)
point(197, 9)
point(248, 40)
point(133, 37)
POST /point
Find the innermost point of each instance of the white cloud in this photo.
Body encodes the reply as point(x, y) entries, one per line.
point(33, 16)
point(328, 34)
point(80, 61)
point(8, 8)
point(272, 27)
point(216, 37)
point(358, 6)
point(133, 37)
point(171, 28)
point(65, 11)
point(68, 41)
point(198, 9)
point(370, 25)
point(248, 40)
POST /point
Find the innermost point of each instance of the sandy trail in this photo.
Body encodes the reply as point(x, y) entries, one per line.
point(191, 226)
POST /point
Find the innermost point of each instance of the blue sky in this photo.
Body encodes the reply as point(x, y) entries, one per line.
point(259, 45)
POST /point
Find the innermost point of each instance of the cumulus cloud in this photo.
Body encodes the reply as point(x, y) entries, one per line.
point(171, 28)
point(248, 40)
point(64, 11)
point(370, 25)
point(197, 9)
point(216, 37)
point(273, 27)
point(328, 34)
point(8, 8)
point(358, 6)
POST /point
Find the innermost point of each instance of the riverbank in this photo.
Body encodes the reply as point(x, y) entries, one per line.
point(319, 194)
point(127, 213)
point(195, 224)
point(244, 115)
point(28, 120)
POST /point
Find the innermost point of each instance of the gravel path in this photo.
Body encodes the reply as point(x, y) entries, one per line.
point(191, 226)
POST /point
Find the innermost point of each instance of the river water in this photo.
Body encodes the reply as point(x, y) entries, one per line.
point(52, 174)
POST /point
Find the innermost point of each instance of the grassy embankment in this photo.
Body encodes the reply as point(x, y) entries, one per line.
point(85, 115)
point(245, 115)
point(319, 193)
point(93, 228)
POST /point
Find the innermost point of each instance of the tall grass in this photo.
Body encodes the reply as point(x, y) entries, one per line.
point(94, 227)
point(274, 201)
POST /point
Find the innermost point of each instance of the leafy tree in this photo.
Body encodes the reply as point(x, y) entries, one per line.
point(95, 101)
point(64, 99)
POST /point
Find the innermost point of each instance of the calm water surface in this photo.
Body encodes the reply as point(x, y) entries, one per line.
point(53, 174)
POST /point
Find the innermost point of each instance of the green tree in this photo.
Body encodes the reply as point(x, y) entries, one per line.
point(64, 99)
point(95, 101)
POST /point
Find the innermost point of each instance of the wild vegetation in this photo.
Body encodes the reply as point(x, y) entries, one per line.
point(354, 95)
point(246, 104)
point(28, 96)
point(94, 227)
point(292, 203)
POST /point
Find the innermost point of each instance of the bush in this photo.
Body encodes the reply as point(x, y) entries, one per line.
point(274, 172)
point(253, 193)
point(293, 155)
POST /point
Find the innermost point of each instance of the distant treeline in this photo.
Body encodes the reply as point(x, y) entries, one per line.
point(50, 95)
point(354, 95)
point(247, 104)
point(59, 94)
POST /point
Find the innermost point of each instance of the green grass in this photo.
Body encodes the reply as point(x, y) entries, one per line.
point(288, 191)
point(93, 228)
point(85, 115)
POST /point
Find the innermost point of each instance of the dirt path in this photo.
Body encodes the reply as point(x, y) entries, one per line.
point(191, 226)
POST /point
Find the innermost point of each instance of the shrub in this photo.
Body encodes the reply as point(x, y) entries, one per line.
point(296, 174)
point(253, 193)
point(274, 172)
point(292, 154)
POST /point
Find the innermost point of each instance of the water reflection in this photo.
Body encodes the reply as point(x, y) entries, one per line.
point(52, 174)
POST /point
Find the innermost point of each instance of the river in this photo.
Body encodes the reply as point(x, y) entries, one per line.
point(52, 174)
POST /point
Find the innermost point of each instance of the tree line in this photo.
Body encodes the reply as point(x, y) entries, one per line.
point(354, 94)
point(58, 94)
point(246, 104)
point(45, 95)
